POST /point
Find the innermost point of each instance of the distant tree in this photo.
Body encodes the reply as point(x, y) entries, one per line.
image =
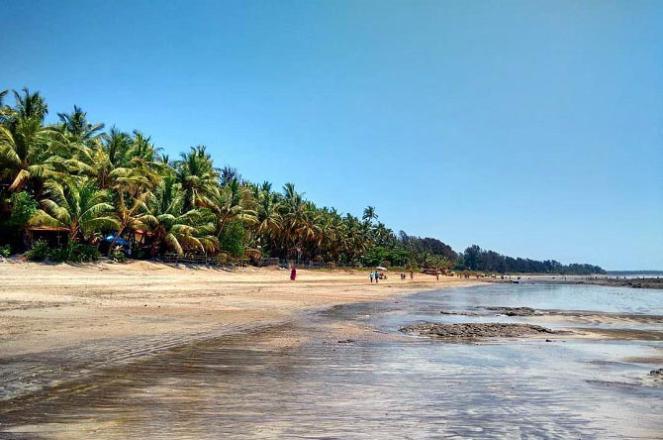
point(369, 214)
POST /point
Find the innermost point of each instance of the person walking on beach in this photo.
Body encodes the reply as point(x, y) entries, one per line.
point(370, 275)
point(376, 277)
point(293, 273)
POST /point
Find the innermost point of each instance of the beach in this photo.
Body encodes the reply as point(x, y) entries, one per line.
point(76, 319)
point(152, 351)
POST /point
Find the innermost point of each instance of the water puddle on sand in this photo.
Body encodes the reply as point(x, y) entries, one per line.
point(356, 377)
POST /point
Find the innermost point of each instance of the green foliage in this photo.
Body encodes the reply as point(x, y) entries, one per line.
point(476, 259)
point(118, 256)
point(5, 251)
point(231, 238)
point(39, 251)
point(72, 252)
point(173, 228)
point(77, 206)
point(23, 206)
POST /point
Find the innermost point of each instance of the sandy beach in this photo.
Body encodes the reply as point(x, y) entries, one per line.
point(104, 314)
point(141, 349)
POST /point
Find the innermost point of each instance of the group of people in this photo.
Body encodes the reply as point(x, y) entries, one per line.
point(403, 276)
point(376, 276)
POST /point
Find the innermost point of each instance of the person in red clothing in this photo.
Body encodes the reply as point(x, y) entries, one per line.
point(293, 273)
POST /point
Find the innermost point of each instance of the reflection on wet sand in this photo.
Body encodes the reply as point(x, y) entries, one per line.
point(348, 373)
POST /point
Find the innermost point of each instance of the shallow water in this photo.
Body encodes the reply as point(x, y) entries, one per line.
point(393, 387)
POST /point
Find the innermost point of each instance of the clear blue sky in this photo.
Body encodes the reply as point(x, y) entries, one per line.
point(532, 128)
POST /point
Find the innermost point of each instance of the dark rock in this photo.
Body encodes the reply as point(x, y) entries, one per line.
point(475, 330)
point(657, 373)
point(514, 311)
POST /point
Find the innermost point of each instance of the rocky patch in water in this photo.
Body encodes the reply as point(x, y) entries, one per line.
point(507, 311)
point(514, 311)
point(475, 330)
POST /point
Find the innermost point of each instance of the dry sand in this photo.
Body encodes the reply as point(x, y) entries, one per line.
point(117, 312)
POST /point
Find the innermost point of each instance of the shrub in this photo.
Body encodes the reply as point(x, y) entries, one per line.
point(83, 253)
point(58, 254)
point(23, 207)
point(74, 253)
point(119, 256)
point(71, 252)
point(38, 252)
point(5, 251)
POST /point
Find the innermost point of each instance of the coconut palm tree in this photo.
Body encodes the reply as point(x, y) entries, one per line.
point(5, 110)
point(25, 154)
point(30, 105)
point(76, 125)
point(228, 174)
point(226, 204)
point(268, 219)
point(175, 228)
point(79, 207)
point(369, 214)
point(299, 225)
point(128, 214)
point(197, 176)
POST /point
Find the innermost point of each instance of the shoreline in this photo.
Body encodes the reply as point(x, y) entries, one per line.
point(63, 322)
point(594, 280)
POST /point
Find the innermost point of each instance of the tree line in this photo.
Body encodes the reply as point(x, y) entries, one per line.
point(477, 259)
point(93, 187)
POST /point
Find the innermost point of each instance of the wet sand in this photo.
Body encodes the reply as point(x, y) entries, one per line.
point(61, 322)
point(347, 372)
point(151, 351)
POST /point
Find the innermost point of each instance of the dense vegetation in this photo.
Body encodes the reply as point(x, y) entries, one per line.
point(82, 184)
point(477, 259)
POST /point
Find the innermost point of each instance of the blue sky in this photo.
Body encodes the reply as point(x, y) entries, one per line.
point(531, 128)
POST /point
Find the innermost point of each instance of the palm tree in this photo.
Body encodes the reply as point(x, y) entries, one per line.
point(174, 228)
point(77, 126)
point(24, 142)
point(81, 208)
point(116, 161)
point(24, 152)
point(369, 214)
point(268, 219)
point(30, 105)
point(196, 174)
point(228, 174)
point(128, 215)
point(5, 110)
point(226, 203)
point(299, 225)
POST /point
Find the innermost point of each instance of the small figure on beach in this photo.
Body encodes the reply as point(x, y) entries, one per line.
point(402, 276)
point(293, 273)
point(377, 276)
point(370, 275)
point(411, 274)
